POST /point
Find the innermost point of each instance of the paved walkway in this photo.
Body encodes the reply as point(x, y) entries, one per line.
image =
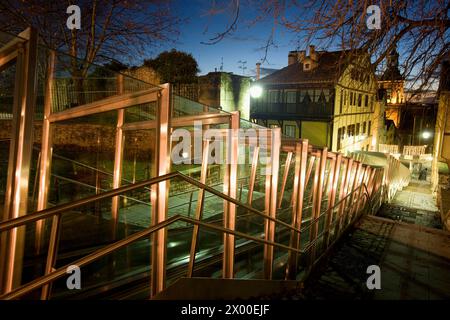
point(415, 204)
point(405, 240)
point(417, 195)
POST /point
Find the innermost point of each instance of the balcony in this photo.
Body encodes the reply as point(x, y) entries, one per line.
point(291, 111)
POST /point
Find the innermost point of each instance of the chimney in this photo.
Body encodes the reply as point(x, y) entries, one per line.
point(292, 57)
point(301, 55)
point(312, 53)
point(258, 70)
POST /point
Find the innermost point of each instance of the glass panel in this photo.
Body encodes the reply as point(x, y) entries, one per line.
point(76, 83)
point(83, 156)
point(185, 107)
point(7, 77)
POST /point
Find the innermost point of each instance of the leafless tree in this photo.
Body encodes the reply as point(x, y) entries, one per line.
point(419, 28)
point(109, 28)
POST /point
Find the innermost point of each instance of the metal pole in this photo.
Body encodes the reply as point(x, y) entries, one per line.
point(332, 197)
point(46, 150)
point(285, 176)
point(230, 212)
point(318, 190)
point(159, 198)
point(118, 159)
point(271, 210)
point(251, 186)
point(301, 161)
point(21, 147)
point(199, 208)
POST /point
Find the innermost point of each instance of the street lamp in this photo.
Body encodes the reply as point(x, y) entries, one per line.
point(426, 134)
point(256, 91)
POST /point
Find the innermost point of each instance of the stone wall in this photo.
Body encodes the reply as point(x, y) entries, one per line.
point(144, 73)
point(86, 137)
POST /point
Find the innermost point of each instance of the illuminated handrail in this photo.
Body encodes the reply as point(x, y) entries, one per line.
point(52, 276)
point(60, 272)
point(44, 280)
point(56, 210)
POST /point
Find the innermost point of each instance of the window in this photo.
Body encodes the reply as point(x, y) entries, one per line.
point(307, 98)
point(364, 127)
point(359, 100)
point(322, 98)
point(351, 130)
point(357, 129)
point(351, 98)
point(291, 97)
point(273, 96)
point(341, 101)
point(370, 126)
point(289, 130)
point(311, 95)
point(339, 138)
point(366, 101)
point(306, 66)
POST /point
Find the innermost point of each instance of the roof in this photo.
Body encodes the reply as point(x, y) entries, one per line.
point(391, 74)
point(330, 67)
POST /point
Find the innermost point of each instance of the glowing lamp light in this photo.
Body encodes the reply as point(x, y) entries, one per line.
point(256, 91)
point(426, 135)
point(185, 155)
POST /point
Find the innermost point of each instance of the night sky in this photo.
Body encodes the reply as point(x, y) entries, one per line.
point(243, 45)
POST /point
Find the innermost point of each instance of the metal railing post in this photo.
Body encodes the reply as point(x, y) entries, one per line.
point(332, 197)
point(118, 158)
point(301, 163)
point(231, 186)
point(251, 184)
point(20, 156)
point(160, 191)
point(317, 200)
point(287, 166)
point(199, 208)
point(271, 202)
point(46, 149)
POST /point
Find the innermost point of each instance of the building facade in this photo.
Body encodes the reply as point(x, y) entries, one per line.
point(392, 83)
point(226, 90)
point(329, 98)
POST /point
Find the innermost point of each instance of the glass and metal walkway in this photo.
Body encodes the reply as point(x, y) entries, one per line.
point(139, 187)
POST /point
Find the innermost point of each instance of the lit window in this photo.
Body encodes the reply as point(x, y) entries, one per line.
point(289, 130)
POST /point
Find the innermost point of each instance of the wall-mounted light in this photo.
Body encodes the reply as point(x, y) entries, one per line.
point(426, 134)
point(256, 91)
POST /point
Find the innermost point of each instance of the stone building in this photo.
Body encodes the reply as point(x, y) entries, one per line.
point(226, 90)
point(392, 82)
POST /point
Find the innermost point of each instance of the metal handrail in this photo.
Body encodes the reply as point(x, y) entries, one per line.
point(47, 213)
point(44, 280)
point(57, 210)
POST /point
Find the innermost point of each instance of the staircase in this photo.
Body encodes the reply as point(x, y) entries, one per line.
point(250, 227)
